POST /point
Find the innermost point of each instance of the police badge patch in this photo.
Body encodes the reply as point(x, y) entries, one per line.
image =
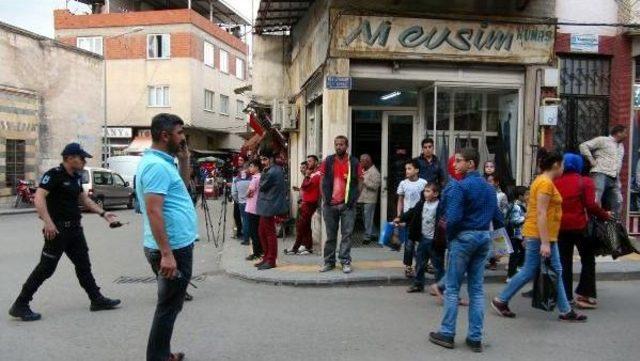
point(45, 179)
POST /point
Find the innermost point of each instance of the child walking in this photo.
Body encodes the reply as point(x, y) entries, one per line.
point(409, 194)
point(514, 222)
point(422, 223)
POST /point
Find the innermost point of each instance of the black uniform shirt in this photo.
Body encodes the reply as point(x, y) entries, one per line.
point(64, 191)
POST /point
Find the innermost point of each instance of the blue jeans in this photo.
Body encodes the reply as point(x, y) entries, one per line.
point(467, 253)
point(608, 192)
point(423, 254)
point(245, 223)
point(530, 269)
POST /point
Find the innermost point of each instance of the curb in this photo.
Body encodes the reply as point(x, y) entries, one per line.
point(11, 212)
point(396, 281)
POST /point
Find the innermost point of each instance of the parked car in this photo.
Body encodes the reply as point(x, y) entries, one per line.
point(107, 188)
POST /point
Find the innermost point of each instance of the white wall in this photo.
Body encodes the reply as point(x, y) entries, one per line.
point(587, 11)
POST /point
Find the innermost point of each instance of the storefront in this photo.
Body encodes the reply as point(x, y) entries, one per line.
point(461, 83)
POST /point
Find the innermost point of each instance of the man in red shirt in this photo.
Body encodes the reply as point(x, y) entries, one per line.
point(342, 176)
point(310, 195)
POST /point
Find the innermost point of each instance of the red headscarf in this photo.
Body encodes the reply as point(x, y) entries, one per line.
point(452, 169)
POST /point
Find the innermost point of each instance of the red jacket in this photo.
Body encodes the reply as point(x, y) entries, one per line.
point(310, 188)
point(577, 201)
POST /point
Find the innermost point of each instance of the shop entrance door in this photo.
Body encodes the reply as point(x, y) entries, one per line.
point(398, 131)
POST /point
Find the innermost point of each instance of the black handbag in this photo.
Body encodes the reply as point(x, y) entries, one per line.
point(545, 287)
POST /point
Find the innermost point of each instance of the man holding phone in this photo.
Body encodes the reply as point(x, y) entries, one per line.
point(170, 226)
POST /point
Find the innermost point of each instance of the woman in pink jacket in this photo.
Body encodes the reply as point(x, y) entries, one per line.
point(252, 199)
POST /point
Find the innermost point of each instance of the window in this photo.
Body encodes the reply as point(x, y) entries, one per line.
point(240, 68)
point(102, 178)
point(158, 46)
point(118, 180)
point(159, 96)
point(208, 54)
point(224, 104)
point(239, 109)
point(224, 61)
point(209, 100)
point(15, 159)
point(92, 44)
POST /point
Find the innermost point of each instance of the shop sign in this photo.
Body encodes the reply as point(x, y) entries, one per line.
point(119, 132)
point(584, 43)
point(378, 37)
point(338, 82)
point(18, 126)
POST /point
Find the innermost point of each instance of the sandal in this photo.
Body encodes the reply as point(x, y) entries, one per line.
point(408, 272)
point(586, 303)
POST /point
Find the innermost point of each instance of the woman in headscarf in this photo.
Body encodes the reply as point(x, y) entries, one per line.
point(578, 200)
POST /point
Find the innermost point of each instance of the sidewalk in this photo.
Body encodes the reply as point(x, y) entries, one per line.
point(373, 266)
point(7, 211)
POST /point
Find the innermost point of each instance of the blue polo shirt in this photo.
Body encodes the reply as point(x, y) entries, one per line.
point(158, 174)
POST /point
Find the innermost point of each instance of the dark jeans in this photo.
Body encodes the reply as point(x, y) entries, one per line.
point(70, 241)
point(409, 253)
point(303, 226)
point(245, 223)
point(587, 284)
point(254, 224)
point(237, 218)
point(335, 216)
point(425, 252)
point(516, 259)
point(171, 294)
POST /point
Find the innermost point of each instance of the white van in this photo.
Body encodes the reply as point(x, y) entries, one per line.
point(125, 165)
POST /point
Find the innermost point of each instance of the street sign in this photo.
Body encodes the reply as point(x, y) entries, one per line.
point(339, 82)
point(584, 43)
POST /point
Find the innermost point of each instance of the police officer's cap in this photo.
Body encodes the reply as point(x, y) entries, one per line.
point(75, 149)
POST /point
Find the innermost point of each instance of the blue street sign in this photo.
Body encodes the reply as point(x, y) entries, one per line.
point(339, 82)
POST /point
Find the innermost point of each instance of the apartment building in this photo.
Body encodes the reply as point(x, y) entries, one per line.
point(165, 58)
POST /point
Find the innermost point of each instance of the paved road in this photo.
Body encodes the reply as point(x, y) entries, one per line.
point(235, 320)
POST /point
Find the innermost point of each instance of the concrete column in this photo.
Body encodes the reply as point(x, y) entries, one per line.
point(335, 106)
point(530, 128)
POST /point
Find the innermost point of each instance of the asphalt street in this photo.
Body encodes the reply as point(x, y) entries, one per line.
point(237, 320)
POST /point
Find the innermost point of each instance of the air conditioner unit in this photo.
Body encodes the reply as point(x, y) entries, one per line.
point(289, 121)
point(277, 115)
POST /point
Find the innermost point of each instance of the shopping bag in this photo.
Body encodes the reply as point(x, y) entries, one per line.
point(545, 291)
point(393, 236)
point(604, 236)
point(501, 242)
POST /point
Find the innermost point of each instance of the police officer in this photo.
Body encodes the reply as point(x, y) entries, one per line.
point(57, 201)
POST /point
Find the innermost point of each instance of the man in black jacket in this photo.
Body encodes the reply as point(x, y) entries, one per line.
point(341, 180)
point(272, 201)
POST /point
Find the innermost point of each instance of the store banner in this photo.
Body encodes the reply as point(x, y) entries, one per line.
point(492, 41)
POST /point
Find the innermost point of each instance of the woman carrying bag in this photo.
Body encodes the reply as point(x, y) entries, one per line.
point(578, 199)
point(540, 232)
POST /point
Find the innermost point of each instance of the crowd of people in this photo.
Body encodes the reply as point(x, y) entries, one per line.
point(447, 217)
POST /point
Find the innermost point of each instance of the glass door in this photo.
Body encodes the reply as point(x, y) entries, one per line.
point(398, 130)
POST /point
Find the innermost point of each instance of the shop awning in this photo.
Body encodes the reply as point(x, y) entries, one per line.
point(138, 145)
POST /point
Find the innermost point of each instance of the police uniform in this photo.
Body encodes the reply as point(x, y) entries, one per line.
point(64, 209)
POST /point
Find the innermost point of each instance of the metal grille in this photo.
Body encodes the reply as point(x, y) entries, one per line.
point(15, 158)
point(585, 76)
point(584, 107)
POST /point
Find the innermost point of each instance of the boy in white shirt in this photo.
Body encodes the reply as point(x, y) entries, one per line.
point(409, 194)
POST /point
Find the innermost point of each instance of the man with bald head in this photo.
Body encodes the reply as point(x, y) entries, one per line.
point(369, 196)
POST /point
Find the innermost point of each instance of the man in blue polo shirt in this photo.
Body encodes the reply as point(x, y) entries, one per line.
point(170, 226)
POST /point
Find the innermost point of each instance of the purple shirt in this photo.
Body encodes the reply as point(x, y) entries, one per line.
point(254, 186)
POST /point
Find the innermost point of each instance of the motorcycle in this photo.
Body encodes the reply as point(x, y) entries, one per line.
point(25, 193)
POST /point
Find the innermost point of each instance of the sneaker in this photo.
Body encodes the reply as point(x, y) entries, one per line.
point(103, 303)
point(346, 268)
point(305, 252)
point(302, 249)
point(252, 257)
point(24, 312)
point(502, 308)
point(572, 316)
point(290, 252)
point(475, 346)
point(441, 340)
point(327, 268)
